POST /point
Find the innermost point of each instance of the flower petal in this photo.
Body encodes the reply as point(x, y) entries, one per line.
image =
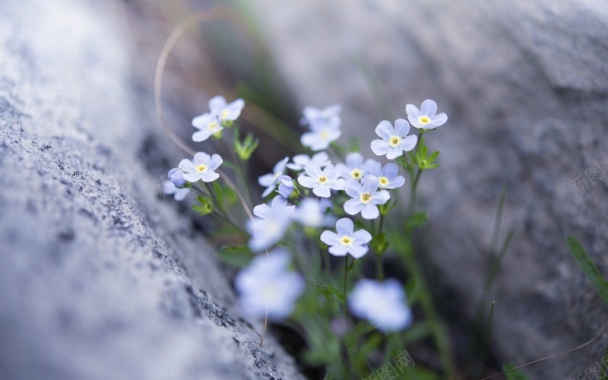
point(412, 111)
point(345, 226)
point(352, 206)
point(330, 238)
point(385, 129)
point(321, 191)
point(370, 211)
point(379, 147)
point(428, 108)
point(357, 251)
point(402, 127)
point(440, 119)
point(408, 143)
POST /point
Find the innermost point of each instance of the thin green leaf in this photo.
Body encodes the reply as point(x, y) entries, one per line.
point(513, 374)
point(589, 267)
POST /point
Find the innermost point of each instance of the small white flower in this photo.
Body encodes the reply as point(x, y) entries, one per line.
point(208, 124)
point(327, 117)
point(226, 112)
point(271, 224)
point(388, 177)
point(346, 240)
point(311, 213)
point(321, 181)
point(176, 177)
point(178, 194)
point(324, 127)
point(320, 137)
point(425, 118)
point(383, 304)
point(285, 186)
point(201, 168)
point(355, 167)
point(267, 287)
point(269, 181)
point(394, 141)
point(300, 161)
point(365, 197)
point(278, 206)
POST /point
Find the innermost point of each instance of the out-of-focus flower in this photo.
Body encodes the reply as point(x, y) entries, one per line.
point(176, 176)
point(271, 224)
point(300, 161)
point(324, 127)
point(311, 213)
point(207, 125)
point(178, 193)
point(383, 304)
point(268, 287)
point(269, 181)
point(226, 112)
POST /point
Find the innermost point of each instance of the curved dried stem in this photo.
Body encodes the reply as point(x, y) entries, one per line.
point(176, 33)
point(552, 356)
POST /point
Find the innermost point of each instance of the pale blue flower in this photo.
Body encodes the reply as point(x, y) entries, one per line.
point(207, 124)
point(269, 181)
point(324, 127)
point(356, 167)
point(202, 167)
point(311, 213)
point(321, 181)
point(270, 225)
point(285, 186)
point(425, 117)
point(388, 177)
point(278, 206)
point(394, 141)
point(327, 117)
point(178, 193)
point(300, 161)
point(347, 240)
point(176, 176)
point(320, 137)
point(267, 287)
point(366, 197)
point(226, 112)
point(383, 304)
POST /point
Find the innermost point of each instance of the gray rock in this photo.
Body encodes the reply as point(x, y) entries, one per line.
point(100, 277)
point(525, 85)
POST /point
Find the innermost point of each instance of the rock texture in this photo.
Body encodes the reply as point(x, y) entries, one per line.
point(100, 277)
point(525, 84)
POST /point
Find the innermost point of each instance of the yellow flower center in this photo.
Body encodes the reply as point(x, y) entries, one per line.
point(201, 168)
point(356, 174)
point(322, 179)
point(394, 141)
point(424, 120)
point(224, 114)
point(213, 126)
point(383, 181)
point(365, 198)
point(324, 135)
point(345, 240)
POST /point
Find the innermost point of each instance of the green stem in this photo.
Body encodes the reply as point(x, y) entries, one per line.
point(345, 277)
point(439, 331)
point(379, 268)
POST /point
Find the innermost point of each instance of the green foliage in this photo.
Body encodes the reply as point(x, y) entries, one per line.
point(512, 373)
point(204, 206)
point(589, 267)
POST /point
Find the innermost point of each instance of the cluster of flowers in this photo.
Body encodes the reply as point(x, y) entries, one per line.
point(268, 286)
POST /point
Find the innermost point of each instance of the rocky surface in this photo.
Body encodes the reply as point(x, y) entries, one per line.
point(525, 85)
point(100, 277)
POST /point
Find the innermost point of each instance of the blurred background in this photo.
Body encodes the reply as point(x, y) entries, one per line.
point(525, 85)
